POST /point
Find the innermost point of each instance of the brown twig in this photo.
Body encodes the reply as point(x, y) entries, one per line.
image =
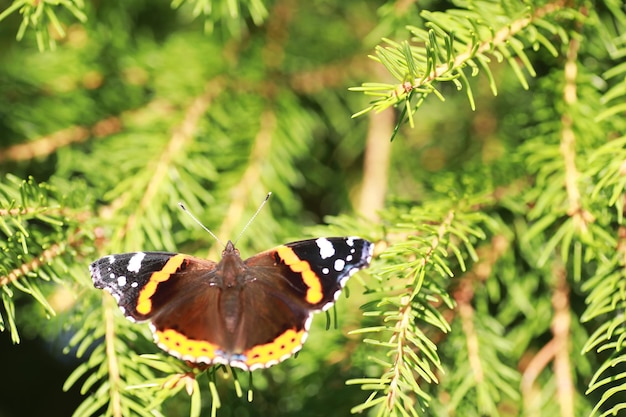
point(557, 350)
point(561, 328)
point(535, 366)
point(48, 144)
point(580, 216)
point(376, 163)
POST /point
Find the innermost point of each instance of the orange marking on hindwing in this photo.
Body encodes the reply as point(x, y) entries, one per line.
point(175, 342)
point(278, 349)
point(314, 292)
point(144, 302)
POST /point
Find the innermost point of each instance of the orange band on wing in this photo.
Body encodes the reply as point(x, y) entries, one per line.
point(144, 302)
point(175, 342)
point(284, 345)
point(314, 293)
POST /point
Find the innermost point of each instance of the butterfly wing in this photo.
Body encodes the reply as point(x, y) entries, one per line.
point(314, 271)
point(173, 291)
point(285, 286)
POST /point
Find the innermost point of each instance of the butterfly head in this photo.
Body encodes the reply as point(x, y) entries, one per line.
point(230, 250)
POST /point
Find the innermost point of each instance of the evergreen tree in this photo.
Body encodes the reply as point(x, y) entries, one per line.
point(486, 160)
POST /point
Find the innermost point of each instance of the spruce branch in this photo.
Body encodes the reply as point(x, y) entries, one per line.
point(112, 371)
point(479, 377)
point(409, 303)
point(41, 17)
point(530, 390)
point(40, 234)
point(181, 138)
point(561, 329)
point(376, 164)
point(49, 144)
point(455, 40)
point(606, 300)
point(110, 341)
point(33, 265)
point(575, 209)
point(226, 11)
point(466, 314)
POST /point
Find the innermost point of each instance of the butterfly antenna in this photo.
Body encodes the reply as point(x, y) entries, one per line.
point(182, 206)
point(256, 213)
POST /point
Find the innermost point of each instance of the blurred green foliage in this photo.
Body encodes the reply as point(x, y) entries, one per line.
point(497, 285)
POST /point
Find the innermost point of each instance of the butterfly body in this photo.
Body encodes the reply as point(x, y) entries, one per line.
point(249, 313)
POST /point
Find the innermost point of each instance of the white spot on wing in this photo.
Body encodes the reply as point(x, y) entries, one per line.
point(339, 265)
point(121, 281)
point(326, 247)
point(135, 262)
point(325, 271)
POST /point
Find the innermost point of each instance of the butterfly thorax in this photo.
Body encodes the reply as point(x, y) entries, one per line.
point(230, 272)
point(231, 267)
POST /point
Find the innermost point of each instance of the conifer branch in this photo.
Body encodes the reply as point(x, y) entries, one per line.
point(464, 295)
point(49, 144)
point(537, 364)
point(561, 330)
point(227, 12)
point(38, 231)
point(46, 257)
point(480, 366)
point(568, 142)
point(180, 139)
point(444, 53)
point(501, 37)
point(18, 211)
point(408, 343)
point(110, 340)
point(621, 243)
point(399, 338)
point(466, 313)
point(41, 17)
point(376, 164)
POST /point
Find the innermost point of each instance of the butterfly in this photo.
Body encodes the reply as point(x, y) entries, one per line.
point(250, 314)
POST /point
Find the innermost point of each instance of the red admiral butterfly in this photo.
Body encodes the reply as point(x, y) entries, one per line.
point(250, 314)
